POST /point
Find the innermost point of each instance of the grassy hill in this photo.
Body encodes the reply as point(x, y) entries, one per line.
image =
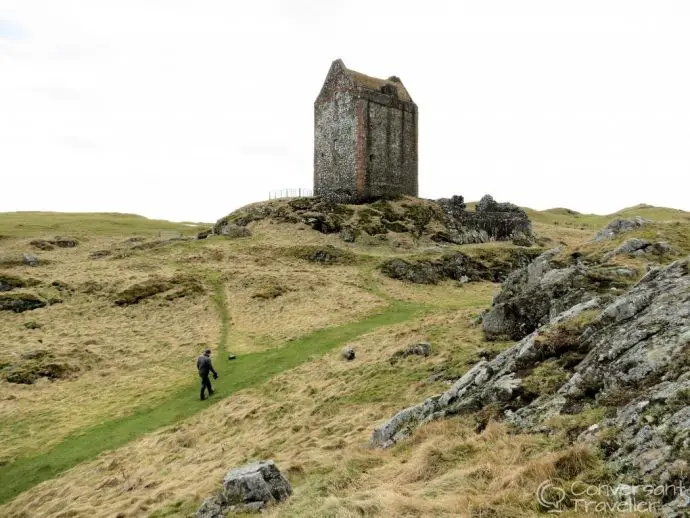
point(116, 428)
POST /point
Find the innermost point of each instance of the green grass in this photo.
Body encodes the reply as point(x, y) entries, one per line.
point(31, 224)
point(568, 218)
point(246, 371)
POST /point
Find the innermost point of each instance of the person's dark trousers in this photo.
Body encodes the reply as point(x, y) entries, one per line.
point(205, 384)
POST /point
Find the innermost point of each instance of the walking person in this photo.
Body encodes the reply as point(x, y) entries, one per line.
point(204, 366)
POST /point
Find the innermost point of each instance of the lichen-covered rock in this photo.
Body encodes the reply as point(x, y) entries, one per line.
point(443, 221)
point(496, 381)
point(532, 295)
point(521, 239)
point(618, 226)
point(249, 488)
point(639, 247)
point(632, 357)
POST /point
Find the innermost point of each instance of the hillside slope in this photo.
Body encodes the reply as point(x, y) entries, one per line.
point(129, 303)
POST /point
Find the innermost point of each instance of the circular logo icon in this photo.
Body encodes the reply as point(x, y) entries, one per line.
point(550, 497)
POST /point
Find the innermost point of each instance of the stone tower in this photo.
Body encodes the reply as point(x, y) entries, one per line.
point(365, 137)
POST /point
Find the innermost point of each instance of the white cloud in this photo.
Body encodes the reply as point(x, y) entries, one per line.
point(186, 110)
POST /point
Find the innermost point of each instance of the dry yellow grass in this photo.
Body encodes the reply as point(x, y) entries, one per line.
point(133, 356)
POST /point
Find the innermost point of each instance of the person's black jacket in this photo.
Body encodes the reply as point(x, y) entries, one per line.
point(203, 364)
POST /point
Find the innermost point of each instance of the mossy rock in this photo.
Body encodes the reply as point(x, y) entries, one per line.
point(545, 379)
point(181, 285)
point(232, 231)
point(324, 223)
point(521, 239)
point(142, 290)
point(270, 291)
point(418, 272)
point(42, 244)
point(32, 325)
point(64, 242)
point(20, 302)
point(375, 228)
point(387, 211)
point(187, 287)
point(35, 365)
point(325, 254)
point(395, 226)
point(9, 282)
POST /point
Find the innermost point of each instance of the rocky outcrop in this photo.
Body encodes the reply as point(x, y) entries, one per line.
point(458, 266)
point(534, 294)
point(50, 244)
point(495, 381)
point(232, 231)
point(639, 247)
point(443, 221)
point(630, 356)
point(246, 489)
point(619, 226)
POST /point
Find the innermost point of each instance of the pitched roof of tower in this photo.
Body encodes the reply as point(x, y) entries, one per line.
point(374, 83)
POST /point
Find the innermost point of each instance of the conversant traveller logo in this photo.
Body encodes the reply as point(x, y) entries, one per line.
point(604, 498)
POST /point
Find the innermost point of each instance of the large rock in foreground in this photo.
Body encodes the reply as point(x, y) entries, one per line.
point(630, 357)
point(249, 488)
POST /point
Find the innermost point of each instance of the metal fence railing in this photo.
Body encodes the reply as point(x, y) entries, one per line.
point(290, 193)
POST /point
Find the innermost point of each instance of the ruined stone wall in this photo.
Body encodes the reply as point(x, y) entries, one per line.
point(335, 145)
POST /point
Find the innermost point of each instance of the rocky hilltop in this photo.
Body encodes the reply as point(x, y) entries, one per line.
point(441, 221)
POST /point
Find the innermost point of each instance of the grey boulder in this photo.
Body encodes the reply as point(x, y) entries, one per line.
point(233, 231)
point(347, 353)
point(249, 488)
point(532, 295)
point(618, 226)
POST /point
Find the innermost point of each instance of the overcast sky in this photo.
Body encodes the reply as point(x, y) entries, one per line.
point(186, 110)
